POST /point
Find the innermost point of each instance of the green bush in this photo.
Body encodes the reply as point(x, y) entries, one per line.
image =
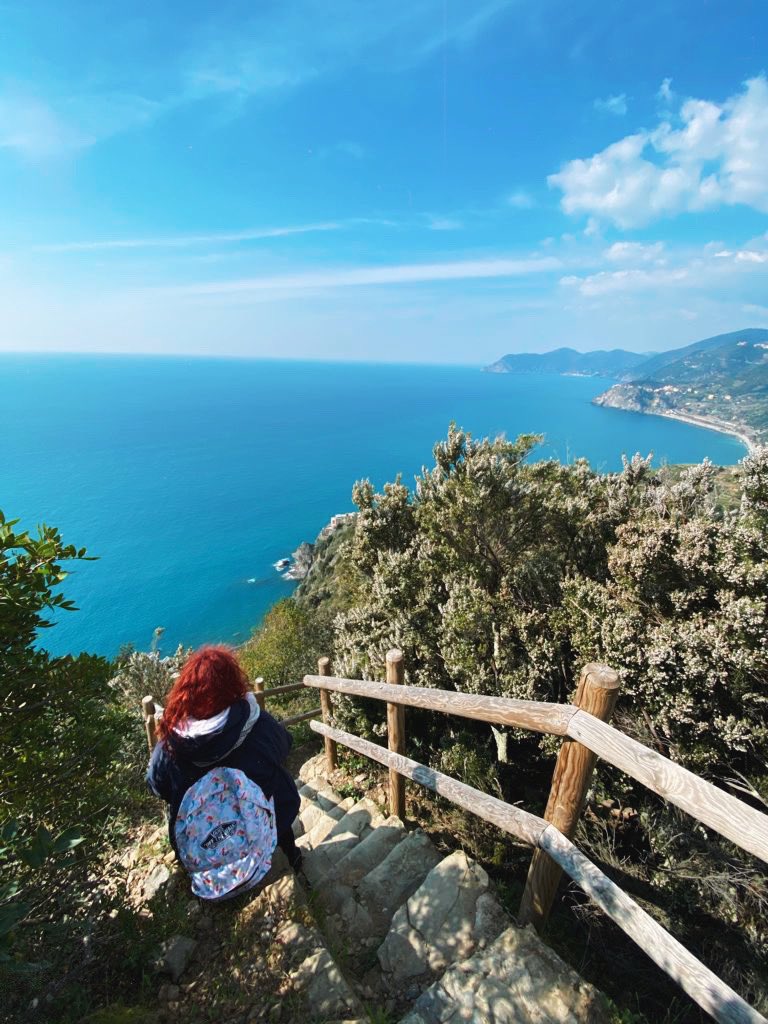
point(503, 576)
point(286, 646)
point(67, 739)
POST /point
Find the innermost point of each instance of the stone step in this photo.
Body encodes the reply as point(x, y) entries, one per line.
point(315, 800)
point(516, 980)
point(361, 817)
point(348, 872)
point(446, 920)
point(416, 932)
point(325, 823)
point(357, 823)
point(315, 979)
point(366, 917)
point(318, 862)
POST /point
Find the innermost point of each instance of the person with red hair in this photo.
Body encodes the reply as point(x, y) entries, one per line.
point(211, 720)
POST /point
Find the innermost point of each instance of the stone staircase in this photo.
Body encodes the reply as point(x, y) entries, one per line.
point(417, 935)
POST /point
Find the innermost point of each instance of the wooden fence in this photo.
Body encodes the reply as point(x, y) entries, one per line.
point(587, 734)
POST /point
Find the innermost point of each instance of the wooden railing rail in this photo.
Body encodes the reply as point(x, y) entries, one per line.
point(732, 818)
point(702, 985)
point(743, 825)
point(537, 716)
point(303, 717)
point(274, 691)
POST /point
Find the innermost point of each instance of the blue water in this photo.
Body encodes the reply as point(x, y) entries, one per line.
point(190, 477)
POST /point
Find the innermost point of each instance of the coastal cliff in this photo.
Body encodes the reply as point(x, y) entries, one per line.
point(305, 555)
point(720, 383)
point(666, 401)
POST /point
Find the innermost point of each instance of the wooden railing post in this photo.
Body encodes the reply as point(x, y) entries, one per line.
point(150, 725)
point(324, 669)
point(596, 693)
point(258, 692)
point(396, 733)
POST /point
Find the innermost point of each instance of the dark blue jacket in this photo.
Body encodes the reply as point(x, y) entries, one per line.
point(258, 748)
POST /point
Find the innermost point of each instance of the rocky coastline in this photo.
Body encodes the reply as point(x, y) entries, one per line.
point(303, 557)
point(626, 397)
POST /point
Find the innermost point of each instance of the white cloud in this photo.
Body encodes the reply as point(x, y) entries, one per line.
point(520, 200)
point(612, 105)
point(755, 310)
point(634, 252)
point(184, 241)
point(407, 273)
point(275, 48)
point(352, 150)
point(645, 269)
point(665, 93)
point(444, 223)
point(742, 256)
point(34, 130)
point(608, 282)
point(284, 45)
point(716, 157)
point(37, 129)
point(592, 229)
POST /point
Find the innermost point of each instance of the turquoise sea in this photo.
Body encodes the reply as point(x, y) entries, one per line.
point(190, 477)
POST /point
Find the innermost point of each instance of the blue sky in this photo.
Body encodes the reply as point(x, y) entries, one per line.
point(420, 180)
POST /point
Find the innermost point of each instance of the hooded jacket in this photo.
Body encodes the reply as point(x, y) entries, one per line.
point(243, 737)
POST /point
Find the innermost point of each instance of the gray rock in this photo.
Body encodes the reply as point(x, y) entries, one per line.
point(317, 798)
point(438, 925)
point(312, 769)
point(175, 955)
point(320, 861)
point(517, 980)
point(325, 824)
point(302, 562)
point(154, 882)
point(389, 884)
point(323, 989)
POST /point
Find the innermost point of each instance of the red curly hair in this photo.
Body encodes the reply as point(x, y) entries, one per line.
point(209, 682)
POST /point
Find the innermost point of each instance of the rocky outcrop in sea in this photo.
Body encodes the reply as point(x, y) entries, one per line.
point(304, 555)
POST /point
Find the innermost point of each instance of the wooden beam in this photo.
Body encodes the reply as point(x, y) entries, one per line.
point(150, 725)
point(704, 987)
point(331, 757)
point(743, 825)
point(537, 716)
point(273, 691)
point(258, 690)
point(596, 693)
point(396, 733)
point(295, 719)
point(511, 819)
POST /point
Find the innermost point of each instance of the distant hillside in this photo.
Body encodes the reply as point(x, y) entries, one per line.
point(653, 366)
point(614, 363)
point(720, 382)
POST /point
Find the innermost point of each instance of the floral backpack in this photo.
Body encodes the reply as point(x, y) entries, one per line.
point(225, 834)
